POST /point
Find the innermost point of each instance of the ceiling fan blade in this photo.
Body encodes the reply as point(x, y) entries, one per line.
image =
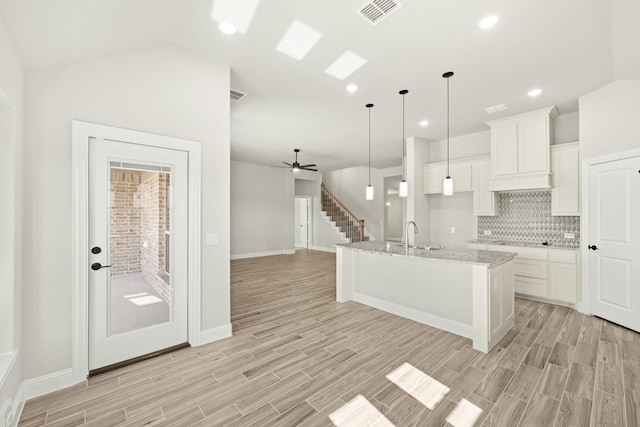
point(307, 166)
point(308, 169)
point(281, 167)
point(288, 164)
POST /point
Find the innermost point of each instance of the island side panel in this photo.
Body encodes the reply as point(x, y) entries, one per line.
point(344, 274)
point(493, 304)
point(436, 293)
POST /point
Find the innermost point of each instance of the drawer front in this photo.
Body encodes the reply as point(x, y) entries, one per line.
point(530, 268)
point(563, 256)
point(530, 286)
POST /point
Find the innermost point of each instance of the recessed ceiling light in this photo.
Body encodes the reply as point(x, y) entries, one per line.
point(534, 92)
point(488, 21)
point(240, 12)
point(298, 40)
point(424, 123)
point(346, 65)
point(227, 28)
point(352, 88)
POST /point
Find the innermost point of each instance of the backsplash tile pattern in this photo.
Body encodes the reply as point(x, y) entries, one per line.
point(526, 217)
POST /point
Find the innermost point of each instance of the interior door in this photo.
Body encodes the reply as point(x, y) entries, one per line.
point(302, 215)
point(138, 240)
point(614, 258)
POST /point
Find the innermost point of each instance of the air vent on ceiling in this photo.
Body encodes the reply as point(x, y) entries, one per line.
point(237, 95)
point(375, 11)
point(496, 108)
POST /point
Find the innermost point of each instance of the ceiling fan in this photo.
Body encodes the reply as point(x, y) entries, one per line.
point(295, 167)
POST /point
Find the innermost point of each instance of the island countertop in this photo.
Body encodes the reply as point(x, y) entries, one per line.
point(456, 255)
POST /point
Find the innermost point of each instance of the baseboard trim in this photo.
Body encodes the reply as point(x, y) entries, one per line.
point(323, 249)
point(419, 316)
point(215, 334)
point(264, 253)
point(38, 386)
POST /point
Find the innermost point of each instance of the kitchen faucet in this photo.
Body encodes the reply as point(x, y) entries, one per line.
point(406, 243)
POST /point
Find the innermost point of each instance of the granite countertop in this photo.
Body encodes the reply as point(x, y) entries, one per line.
point(457, 255)
point(523, 244)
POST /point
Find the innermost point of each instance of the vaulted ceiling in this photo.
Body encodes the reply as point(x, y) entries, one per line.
point(562, 47)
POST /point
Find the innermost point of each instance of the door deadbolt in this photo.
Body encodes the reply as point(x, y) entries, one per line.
point(592, 247)
point(97, 266)
point(96, 250)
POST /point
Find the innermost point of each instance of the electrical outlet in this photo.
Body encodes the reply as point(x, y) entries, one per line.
point(453, 230)
point(569, 235)
point(487, 232)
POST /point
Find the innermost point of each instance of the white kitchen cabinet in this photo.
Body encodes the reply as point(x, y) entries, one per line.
point(565, 167)
point(485, 202)
point(459, 170)
point(520, 151)
point(563, 275)
point(543, 273)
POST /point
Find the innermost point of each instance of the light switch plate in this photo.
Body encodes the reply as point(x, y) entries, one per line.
point(453, 230)
point(569, 235)
point(212, 239)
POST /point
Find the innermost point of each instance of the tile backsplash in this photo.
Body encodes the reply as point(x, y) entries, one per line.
point(525, 217)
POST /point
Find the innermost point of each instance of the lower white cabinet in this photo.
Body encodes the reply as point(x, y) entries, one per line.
point(549, 274)
point(563, 275)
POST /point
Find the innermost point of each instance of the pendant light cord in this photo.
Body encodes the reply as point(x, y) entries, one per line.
point(448, 176)
point(403, 139)
point(369, 146)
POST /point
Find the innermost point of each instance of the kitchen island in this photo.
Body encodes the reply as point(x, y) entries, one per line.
point(464, 291)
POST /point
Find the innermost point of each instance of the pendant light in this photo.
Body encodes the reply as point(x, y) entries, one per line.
point(369, 191)
point(404, 186)
point(447, 183)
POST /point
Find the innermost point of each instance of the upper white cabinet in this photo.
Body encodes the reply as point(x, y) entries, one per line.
point(485, 202)
point(459, 170)
point(520, 153)
point(565, 166)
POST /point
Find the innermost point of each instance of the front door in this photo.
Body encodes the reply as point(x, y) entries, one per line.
point(138, 243)
point(614, 256)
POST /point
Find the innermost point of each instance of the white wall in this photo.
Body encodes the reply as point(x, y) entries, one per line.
point(626, 33)
point(11, 223)
point(258, 209)
point(165, 91)
point(452, 211)
point(418, 206)
point(609, 119)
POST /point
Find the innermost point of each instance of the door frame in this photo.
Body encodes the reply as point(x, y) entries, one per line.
point(585, 304)
point(81, 132)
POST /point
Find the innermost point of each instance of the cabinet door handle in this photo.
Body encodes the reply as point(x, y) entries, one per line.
point(592, 247)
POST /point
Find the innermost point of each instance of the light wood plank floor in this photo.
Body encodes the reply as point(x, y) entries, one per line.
point(297, 356)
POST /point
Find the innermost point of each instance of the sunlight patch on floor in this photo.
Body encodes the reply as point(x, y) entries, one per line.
point(421, 386)
point(359, 412)
point(143, 299)
point(465, 415)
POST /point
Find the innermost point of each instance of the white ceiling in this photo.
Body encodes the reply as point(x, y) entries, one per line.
point(564, 47)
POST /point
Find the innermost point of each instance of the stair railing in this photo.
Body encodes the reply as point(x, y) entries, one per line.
point(349, 214)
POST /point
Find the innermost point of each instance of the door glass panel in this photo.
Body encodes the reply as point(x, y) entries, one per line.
point(140, 291)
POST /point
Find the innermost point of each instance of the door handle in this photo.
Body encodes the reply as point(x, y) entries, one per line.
point(97, 266)
point(592, 247)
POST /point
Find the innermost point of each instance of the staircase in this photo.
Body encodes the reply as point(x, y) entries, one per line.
point(348, 223)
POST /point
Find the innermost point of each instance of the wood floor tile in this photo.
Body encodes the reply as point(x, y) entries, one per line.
point(562, 354)
point(574, 411)
point(505, 413)
point(632, 406)
point(524, 382)
point(553, 381)
point(586, 354)
point(608, 410)
point(297, 356)
point(492, 386)
point(580, 381)
point(541, 411)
